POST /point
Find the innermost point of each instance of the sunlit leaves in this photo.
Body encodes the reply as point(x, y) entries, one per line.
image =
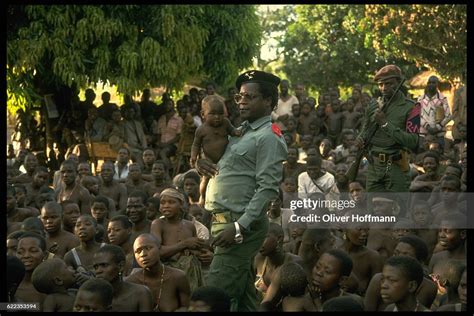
point(131, 46)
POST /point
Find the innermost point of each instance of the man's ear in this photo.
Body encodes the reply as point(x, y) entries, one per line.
point(462, 234)
point(412, 286)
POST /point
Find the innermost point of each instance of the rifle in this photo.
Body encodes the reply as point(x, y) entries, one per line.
point(352, 172)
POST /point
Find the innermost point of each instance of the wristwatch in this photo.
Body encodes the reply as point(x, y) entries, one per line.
point(238, 236)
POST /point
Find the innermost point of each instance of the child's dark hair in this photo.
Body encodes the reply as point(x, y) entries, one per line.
point(101, 199)
point(216, 298)
point(409, 266)
point(117, 252)
point(141, 194)
point(344, 260)
point(293, 280)
point(42, 241)
point(421, 250)
point(43, 276)
point(101, 288)
point(342, 304)
point(126, 223)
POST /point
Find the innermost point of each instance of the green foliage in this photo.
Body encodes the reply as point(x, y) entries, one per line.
point(324, 49)
point(236, 33)
point(433, 36)
point(328, 45)
point(129, 46)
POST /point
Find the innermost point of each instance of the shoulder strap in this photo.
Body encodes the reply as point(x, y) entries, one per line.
point(76, 257)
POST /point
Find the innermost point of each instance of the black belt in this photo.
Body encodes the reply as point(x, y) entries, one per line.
point(384, 157)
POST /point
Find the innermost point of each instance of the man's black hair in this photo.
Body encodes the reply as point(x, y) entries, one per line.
point(421, 250)
point(409, 266)
point(217, 299)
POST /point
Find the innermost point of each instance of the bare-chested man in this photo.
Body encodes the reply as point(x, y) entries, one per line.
point(134, 179)
point(169, 286)
point(334, 122)
point(71, 213)
point(160, 182)
point(367, 262)
point(380, 237)
point(14, 213)
point(72, 190)
point(57, 238)
point(30, 164)
point(40, 180)
point(452, 237)
point(149, 158)
point(92, 184)
point(109, 262)
point(111, 188)
point(352, 119)
point(136, 212)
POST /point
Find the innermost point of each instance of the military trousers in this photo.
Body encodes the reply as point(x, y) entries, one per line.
point(387, 177)
point(232, 268)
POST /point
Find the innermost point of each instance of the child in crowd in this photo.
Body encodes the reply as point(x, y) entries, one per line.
point(153, 208)
point(211, 137)
point(100, 210)
point(81, 257)
point(178, 236)
point(209, 299)
point(401, 278)
point(293, 283)
point(94, 295)
point(54, 278)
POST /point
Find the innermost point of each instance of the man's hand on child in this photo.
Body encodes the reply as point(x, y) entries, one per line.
point(206, 168)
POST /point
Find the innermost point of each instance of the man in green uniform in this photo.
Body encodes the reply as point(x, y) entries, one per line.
point(398, 128)
point(243, 182)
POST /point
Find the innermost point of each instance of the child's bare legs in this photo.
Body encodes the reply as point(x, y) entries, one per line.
point(202, 191)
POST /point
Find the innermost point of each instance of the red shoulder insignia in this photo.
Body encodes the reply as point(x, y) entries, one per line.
point(413, 121)
point(276, 130)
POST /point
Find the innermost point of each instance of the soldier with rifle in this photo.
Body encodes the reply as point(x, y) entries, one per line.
point(390, 128)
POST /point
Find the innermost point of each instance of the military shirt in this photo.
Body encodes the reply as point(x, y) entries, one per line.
point(402, 127)
point(250, 172)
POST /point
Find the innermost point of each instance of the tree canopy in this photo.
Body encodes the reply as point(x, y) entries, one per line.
point(131, 46)
point(433, 36)
point(327, 45)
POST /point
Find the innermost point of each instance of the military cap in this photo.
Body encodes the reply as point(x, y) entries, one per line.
point(387, 72)
point(258, 77)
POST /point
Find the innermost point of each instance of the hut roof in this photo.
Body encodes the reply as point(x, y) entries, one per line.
point(419, 81)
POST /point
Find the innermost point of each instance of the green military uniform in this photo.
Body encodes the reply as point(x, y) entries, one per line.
point(400, 133)
point(249, 175)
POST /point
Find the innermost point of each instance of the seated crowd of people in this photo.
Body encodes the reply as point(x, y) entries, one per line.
point(134, 235)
